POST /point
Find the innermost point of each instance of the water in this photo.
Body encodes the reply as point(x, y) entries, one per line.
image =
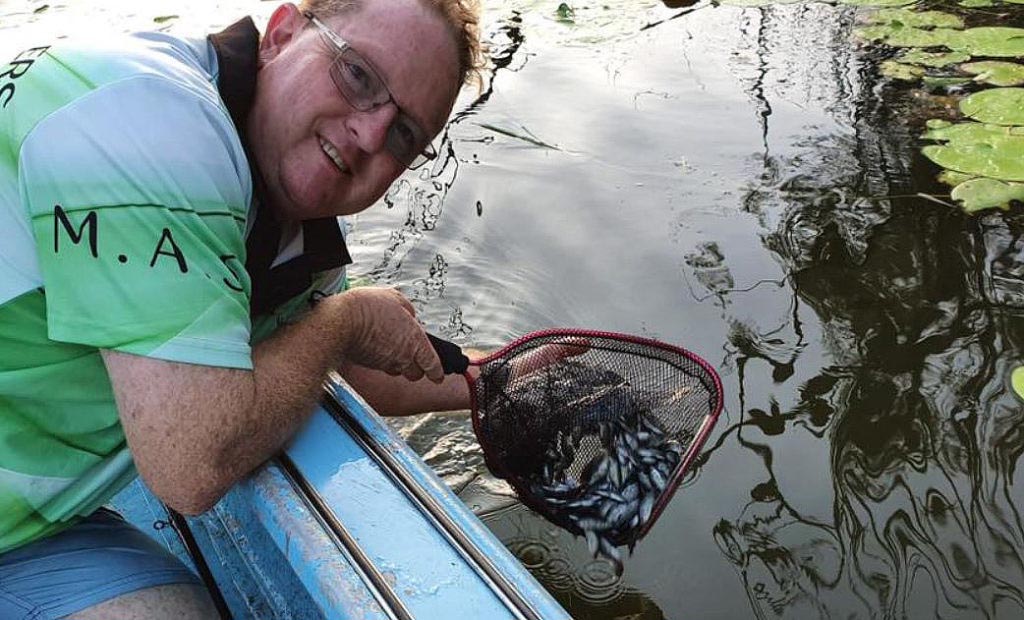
point(739, 181)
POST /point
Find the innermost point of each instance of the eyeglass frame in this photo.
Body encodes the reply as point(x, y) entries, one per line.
point(341, 47)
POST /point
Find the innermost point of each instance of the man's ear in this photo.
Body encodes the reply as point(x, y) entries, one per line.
point(286, 22)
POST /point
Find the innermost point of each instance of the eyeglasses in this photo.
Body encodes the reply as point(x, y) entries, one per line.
point(363, 88)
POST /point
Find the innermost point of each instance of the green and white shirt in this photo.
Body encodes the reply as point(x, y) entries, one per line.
point(125, 196)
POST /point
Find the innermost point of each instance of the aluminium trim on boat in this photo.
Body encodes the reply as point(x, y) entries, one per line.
point(390, 602)
point(496, 566)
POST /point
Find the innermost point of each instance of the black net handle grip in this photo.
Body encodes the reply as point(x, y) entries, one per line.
point(453, 360)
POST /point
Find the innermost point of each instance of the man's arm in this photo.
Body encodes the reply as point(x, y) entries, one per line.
point(196, 430)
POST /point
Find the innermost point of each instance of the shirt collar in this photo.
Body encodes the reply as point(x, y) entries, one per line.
point(237, 48)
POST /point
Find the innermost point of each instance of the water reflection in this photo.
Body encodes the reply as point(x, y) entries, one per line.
point(921, 311)
point(586, 587)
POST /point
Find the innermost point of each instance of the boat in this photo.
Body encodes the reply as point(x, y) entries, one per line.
point(347, 522)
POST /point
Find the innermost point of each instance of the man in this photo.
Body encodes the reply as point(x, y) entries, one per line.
point(170, 253)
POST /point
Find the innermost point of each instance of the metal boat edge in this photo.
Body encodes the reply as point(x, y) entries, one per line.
point(348, 523)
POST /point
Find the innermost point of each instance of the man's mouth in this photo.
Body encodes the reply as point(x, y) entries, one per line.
point(332, 154)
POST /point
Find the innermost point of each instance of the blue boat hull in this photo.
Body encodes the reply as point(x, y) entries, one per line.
point(348, 523)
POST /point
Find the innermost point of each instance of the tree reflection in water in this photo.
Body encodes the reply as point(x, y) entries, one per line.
point(921, 309)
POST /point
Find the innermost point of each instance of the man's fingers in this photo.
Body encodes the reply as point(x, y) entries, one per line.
point(406, 304)
point(412, 373)
point(427, 359)
point(549, 354)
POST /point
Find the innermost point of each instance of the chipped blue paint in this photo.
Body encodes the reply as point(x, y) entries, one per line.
point(423, 477)
point(427, 573)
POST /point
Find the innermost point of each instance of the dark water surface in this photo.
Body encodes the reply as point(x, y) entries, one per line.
point(742, 182)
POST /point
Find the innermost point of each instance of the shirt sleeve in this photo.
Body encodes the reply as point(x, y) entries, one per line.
point(138, 193)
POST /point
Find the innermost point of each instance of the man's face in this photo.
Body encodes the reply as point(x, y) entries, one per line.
point(300, 120)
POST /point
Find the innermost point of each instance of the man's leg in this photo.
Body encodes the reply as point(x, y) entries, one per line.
point(174, 602)
point(102, 567)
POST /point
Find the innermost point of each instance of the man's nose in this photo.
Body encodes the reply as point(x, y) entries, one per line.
point(370, 128)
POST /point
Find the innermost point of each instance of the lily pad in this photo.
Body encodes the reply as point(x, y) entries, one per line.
point(979, 150)
point(944, 131)
point(936, 83)
point(1017, 380)
point(976, 4)
point(933, 59)
point(757, 3)
point(879, 3)
point(898, 35)
point(979, 194)
point(954, 178)
point(916, 19)
point(998, 41)
point(999, 106)
point(995, 72)
point(900, 71)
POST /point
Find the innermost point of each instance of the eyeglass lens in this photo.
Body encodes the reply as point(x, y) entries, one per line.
point(365, 90)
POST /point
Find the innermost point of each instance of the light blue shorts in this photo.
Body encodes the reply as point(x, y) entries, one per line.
point(98, 559)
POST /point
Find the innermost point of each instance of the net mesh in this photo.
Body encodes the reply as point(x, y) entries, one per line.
point(594, 441)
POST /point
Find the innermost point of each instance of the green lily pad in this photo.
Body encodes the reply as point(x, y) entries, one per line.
point(757, 3)
point(944, 131)
point(996, 72)
point(979, 194)
point(915, 19)
point(933, 59)
point(999, 106)
point(979, 150)
point(879, 3)
point(976, 4)
point(1017, 380)
point(953, 178)
point(898, 35)
point(900, 71)
point(936, 83)
point(999, 41)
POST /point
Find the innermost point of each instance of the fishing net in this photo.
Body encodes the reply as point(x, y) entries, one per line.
point(598, 439)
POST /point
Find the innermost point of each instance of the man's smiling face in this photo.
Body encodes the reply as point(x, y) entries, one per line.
point(301, 127)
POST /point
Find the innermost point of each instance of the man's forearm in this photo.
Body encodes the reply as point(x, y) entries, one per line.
point(195, 430)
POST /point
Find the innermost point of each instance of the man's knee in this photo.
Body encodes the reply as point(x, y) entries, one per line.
point(171, 602)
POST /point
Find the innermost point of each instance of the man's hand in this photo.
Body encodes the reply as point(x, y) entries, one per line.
point(540, 358)
point(383, 335)
point(394, 396)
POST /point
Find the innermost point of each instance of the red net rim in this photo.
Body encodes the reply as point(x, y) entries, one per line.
point(685, 463)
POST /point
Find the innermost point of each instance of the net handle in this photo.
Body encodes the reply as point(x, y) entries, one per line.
point(453, 360)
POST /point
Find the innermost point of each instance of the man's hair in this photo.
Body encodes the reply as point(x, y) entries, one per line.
point(461, 16)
